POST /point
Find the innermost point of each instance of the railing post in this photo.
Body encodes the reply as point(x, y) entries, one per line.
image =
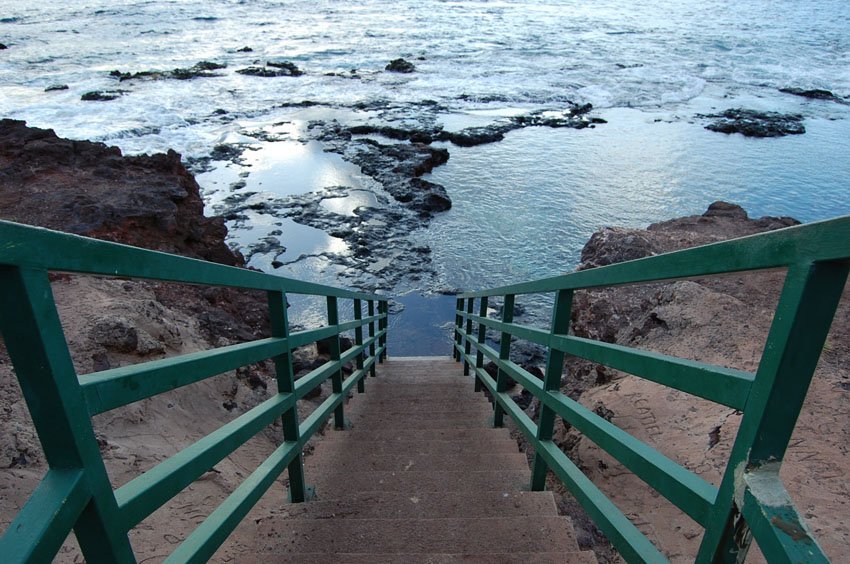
point(458, 326)
point(482, 337)
point(286, 385)
point(797, 335)
point(371, 312)
point(358, 342)
point(383, 323)
point(551, 383)
point(468, 340)
point(36, 344)
point(504, 355)
point(336, 378)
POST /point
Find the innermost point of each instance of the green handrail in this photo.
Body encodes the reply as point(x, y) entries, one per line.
point(76, 492)
point(751, 500)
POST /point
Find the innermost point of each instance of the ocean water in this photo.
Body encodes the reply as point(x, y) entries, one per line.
point(522, 207)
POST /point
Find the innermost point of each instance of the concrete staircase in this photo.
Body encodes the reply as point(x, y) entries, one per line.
point(421, 476)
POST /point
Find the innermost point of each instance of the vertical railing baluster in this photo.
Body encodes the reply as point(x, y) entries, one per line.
point(551, 383)
point(482, 337)
point(458, 326)
point(286, 385)
point(383, 324)
point(468, 340)
point(336, 377)
point(371, 312)
point(809, 298)
point(358, 342)
point(36, 345)
point(504, 356)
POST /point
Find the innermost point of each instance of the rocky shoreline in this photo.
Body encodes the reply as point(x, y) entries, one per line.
point(154, 202)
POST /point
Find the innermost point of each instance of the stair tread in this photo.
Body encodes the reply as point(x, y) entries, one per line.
point(354, 460)
point(486, 444)
point(424, 505)
point(330, 483)
point(393, 536)
point(578, 557)
point(408, 435)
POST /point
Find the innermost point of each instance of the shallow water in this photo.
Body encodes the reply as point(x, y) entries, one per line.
point(522, 207)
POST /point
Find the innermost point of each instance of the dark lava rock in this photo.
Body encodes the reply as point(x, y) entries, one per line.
point(245, 49)
point(814, 94)
point(412, 135)
point(198, 70)
point(102, 95)
point(56, 87)
point(287, 67)
point(752, 123)
point(91, 189)
point(270, 72)
point(477, 135)
point(2, 47)
point(400, 65)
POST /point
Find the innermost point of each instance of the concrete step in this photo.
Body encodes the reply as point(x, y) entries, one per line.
point(421, 420)
point(585, 557)
point(354, 460)
point(334, 484)
point(406, 435)
point(282, 537)
point(425, 505)
point(486, 445)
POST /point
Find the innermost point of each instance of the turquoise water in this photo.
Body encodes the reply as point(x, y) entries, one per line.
point(522, 207)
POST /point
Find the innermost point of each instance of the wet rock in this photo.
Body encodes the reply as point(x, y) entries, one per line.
point(245, 49)
point(2, 46)
point(56, 87)
point(401, 66)
point(814, 94)
point(473, 136)
point(752, 123)
point(198, 70)
point(274, 71)
point(286, 66)
point(102, 95)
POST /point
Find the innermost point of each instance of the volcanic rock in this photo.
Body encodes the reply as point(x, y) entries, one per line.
point(814, 94)
point(401, 66)
point(753, 123)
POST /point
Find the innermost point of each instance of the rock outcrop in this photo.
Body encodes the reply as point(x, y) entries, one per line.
point(753, 123)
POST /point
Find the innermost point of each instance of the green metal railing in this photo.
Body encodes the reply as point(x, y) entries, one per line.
point(751, 499)
point(76, 492)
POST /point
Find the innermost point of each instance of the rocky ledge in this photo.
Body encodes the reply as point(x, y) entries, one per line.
point(718, 320)
point(753, 123)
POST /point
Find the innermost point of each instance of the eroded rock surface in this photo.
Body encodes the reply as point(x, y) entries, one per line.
point(753, 123)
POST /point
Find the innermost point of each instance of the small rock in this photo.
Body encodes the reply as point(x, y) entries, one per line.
point(401, 66)
point(102, 95)
point(245, 49)
point(286, 67)
point(2, 47)
point(725, 209)
point(814, 94)
point(56, 87)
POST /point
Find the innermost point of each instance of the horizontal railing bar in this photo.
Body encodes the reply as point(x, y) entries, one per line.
point(813, 242)
point(631, 543)
point(688, 491)
point(626, 538)
point(113, 388)
point(205, 540)
point(36, 247)
point(208, 536)
point(306, 383)
point(523, 421)
point(719, 384)
point(43, 524)
point(301, 338)
point(685, 489)
point(145, 494)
